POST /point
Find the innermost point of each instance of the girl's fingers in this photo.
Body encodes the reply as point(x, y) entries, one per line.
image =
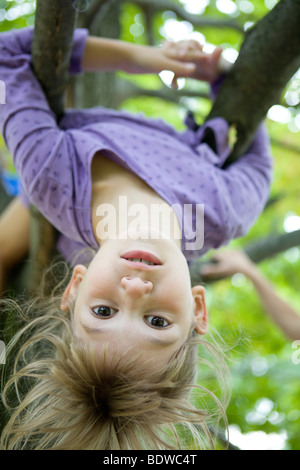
point(181, 69)
point(217, 53)
point(189, 50)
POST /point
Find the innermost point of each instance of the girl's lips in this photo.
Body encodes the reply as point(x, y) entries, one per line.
point(137, 254)
point(140, 266)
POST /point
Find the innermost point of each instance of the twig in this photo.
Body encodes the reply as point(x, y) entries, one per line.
point(196, 20)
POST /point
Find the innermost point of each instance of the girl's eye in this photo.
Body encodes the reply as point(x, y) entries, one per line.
point(104, 311)
point(157, 322)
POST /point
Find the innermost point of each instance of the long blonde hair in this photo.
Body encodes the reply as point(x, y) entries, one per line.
point(60, 397)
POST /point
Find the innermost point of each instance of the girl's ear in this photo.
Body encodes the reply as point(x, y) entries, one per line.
point(200, 312)
point(71, 290)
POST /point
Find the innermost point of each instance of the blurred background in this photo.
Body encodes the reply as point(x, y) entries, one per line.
point(264, 411)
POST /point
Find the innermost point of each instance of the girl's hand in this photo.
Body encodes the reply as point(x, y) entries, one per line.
point(185, 58)
point(207, 67)
point(228, 263)
point(149, 59)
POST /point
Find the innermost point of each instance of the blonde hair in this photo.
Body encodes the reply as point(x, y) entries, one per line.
point(60, 397)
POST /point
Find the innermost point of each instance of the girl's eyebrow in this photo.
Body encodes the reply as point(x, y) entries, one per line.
point(151, 339)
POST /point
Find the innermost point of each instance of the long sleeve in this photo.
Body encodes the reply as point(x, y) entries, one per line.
point(246, 184)
point(29, 127)
point(234, 197)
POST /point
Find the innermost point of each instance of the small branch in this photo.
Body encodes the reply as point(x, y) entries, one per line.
point(127, 89)
point(149, 14)
point(89, 16)
point(285, 145)
point(196, 20)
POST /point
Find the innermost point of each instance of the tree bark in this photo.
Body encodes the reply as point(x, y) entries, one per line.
point(51, 48)
point(98, 89)
point(269, 57)
point(51, 52)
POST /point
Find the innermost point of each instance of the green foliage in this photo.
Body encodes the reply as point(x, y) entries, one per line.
point(265, 381)
point(16, 14)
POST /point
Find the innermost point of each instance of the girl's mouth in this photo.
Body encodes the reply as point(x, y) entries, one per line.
point(141, 258)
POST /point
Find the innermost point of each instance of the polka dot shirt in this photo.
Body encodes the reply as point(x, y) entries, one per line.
point(214, 205)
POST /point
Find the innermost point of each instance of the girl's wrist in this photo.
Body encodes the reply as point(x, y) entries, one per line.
point(251, 271)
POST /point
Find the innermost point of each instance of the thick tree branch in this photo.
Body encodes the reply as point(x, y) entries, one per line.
point(51, 48)
point(268, 59)
point(271, 246)
point(51, 52)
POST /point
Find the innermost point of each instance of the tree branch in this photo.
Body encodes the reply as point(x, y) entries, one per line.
point(269, 57)
point(285, 145)
point(196, 20)
point(51, 48)
point(51, 52)
point(149, 15)
point(257, 251)
point(127, 89)
point(271, 246)
point(90, 15)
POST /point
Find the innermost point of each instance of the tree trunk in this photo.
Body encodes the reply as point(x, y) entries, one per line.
point(98, 89)
point(51, 52)
point(51, 49)
point(269, 57)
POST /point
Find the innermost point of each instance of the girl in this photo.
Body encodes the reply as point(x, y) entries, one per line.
point(125, 339)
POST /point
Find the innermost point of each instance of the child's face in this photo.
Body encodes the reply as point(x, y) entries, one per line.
point(149, 308)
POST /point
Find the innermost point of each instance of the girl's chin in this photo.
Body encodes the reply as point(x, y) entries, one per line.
point(143, 238)
point(146, 233)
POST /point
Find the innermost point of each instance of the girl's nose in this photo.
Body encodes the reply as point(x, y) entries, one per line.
point(136, 286)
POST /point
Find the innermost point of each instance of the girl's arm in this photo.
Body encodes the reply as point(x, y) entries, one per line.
point(231, 262)
point(234, 197)
point(184, 58)
point(245, 185)
point(14, 238)
point(41, 150)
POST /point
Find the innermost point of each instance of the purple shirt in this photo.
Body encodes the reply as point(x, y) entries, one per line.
point(54, 161)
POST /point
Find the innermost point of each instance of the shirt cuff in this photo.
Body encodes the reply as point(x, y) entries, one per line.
point(217, 85)
point(79, 44)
